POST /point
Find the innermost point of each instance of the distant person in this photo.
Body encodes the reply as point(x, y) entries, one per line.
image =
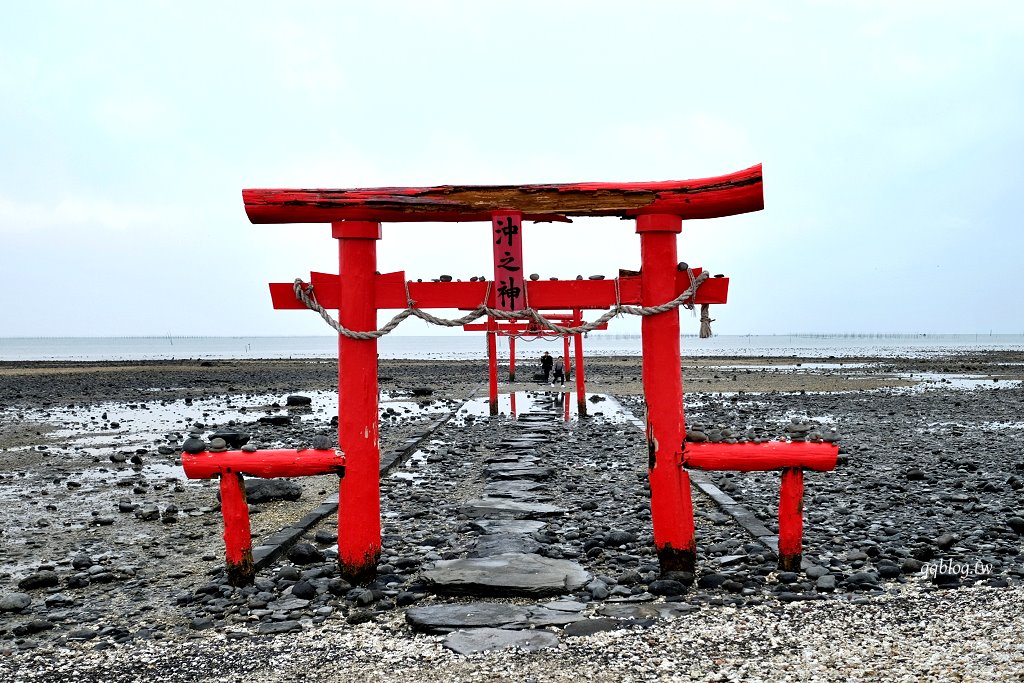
point(546, 361)
point(559, 372)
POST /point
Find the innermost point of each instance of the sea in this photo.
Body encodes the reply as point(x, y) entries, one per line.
point(474, 346)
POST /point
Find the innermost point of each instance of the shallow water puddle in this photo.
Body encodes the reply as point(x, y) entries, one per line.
point(926, 381)
point(515, 404)
point(120, 425)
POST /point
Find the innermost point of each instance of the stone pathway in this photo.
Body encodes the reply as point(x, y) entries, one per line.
point(505, 561)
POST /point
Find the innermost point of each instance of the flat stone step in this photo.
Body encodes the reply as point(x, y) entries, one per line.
point(506, 487)
point(497, 544)
point(522, 574)
point(517, 472)
point(507, 526)
point(499, 508)
point(482, 615)
point(446, 618)
point(491, 639)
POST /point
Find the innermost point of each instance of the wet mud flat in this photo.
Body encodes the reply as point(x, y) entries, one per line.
point(115, 549)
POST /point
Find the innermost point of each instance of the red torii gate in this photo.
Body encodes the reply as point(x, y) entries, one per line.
point(658, 209)
point(529, 328)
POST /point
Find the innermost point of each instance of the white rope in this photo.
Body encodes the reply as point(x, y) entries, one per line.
point(304, 293)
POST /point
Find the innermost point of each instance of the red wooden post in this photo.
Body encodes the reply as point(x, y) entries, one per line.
point(581, 387)
point(671, 506)
point(511, 358)
point(565, 353)
point(358, 428)
point(512, 403)
point(791, 519)
point(237, 531)
point(492, 363)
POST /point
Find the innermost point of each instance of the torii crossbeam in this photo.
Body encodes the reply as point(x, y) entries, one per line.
point(658, 209)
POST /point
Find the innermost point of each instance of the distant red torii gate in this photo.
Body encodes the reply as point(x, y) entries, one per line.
point(529, 328)
point(658, 209)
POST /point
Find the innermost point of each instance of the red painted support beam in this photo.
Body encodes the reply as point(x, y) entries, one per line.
point(359, 528)
point(671, 506)
point(287, 462)
point(759, 457)
point(492, 365)
point(581, 387)
point(543, 294)
point(512, 359)
point(230, 466)
point(726, 195)
point(791, 519)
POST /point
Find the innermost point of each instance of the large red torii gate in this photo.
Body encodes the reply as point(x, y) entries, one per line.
point(658, 209)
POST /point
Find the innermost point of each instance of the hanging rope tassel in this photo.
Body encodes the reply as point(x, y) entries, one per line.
point(705, 321)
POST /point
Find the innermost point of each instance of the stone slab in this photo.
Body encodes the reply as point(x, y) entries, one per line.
point(496, 544)
point(446, 618)
point(491, 639)
point(532, 473)
point(506, 574)
point(507, 526)
point(500, 508)
point(651, 610)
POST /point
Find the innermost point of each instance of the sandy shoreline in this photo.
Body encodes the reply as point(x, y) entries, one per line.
point(956, 418)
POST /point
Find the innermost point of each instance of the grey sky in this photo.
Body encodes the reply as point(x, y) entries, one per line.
point(891, 136)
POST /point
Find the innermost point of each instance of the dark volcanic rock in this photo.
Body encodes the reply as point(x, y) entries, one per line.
point(305, 553)
point(41, 579)
point(265, 490)
point(14, 602)
point(232, 437)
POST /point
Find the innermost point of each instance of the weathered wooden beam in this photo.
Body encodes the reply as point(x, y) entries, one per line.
point(726, 195)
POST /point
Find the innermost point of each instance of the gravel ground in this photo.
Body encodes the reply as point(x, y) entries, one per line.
point(932, 458)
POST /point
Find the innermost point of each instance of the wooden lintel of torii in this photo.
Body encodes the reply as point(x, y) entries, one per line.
point(391, 292)
point(725, 195)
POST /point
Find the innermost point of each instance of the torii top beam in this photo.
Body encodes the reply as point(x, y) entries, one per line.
point(726, 195)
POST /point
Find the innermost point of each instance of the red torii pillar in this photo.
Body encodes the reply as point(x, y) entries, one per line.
point(512, 358)
point(672, 508)
point(358, 421)
point(581, 387)
point(492, 363)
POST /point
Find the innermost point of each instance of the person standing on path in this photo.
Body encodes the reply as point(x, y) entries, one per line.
point(545, 365)
point(559, 372)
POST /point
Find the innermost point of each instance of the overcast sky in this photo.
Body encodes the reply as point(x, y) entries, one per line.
point(891, 134)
